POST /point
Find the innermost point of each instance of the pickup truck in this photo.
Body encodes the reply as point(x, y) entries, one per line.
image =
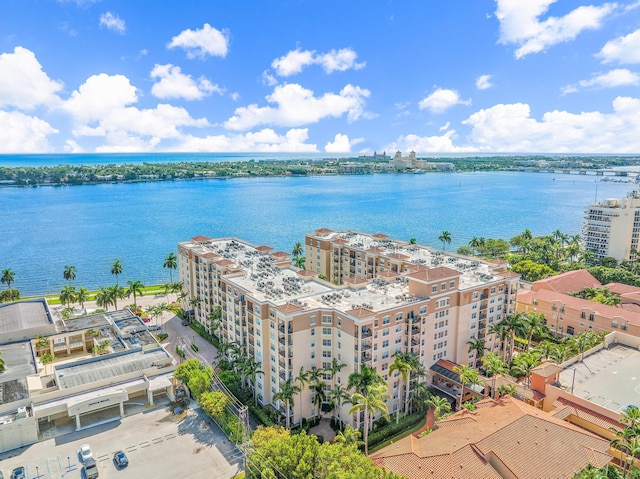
point(90, 469)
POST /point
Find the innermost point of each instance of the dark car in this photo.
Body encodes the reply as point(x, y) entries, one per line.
point(120, 459)
point(91, 469)
point(18, 473)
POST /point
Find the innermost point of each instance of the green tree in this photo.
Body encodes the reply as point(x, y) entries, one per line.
point(115, 293)
point(214, 403)
point(532, 271)
point(250, 370)
point(445, 238)
point(533, 324)
point(116, 270)
point(69, 273)
point(297, 250)
point(502, 333)
point(299, 262)
point(524, 363)
point(7, 278)
point(302, 379)
point(439, 405)
point(136, 288)
point(286, 394)
point(372, 401)
point(82, 296)
point(215, 320)
point(68, 295)
point(171, 263)
point(46, 359)
point(493, 365)
point(468, 376)
point(103, 298)
point(350, 436)
point(514, 323)
point(403, 368)
point(476, 345)
point(337, 397)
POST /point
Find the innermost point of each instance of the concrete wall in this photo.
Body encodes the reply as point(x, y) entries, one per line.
point(18, 433)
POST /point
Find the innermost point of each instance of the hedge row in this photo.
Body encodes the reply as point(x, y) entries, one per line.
point(391, 430)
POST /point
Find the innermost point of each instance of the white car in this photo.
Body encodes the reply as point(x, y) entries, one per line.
point(85, 452)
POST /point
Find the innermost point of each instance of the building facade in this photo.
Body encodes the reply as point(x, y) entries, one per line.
point(612, 228)
point(413, 300)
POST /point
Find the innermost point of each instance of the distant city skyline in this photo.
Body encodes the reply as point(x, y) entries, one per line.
point(476, 76)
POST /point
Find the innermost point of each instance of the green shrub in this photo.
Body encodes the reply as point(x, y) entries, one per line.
point(393, 429)
point(260, 415)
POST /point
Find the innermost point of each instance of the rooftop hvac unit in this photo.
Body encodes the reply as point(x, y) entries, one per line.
point(22, 413)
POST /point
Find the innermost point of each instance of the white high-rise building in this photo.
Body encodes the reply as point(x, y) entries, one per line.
point(612, 228)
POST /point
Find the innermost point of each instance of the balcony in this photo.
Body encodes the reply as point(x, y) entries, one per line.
point(482, 324)
point(283, 341)
point(365, 357)
point(415, 341)
point(367, 333)
point(366, 346)
point(415, 330)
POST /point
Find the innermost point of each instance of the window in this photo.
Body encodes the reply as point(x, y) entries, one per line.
point(313, 331)
point(614, 324)
point(385, 355)
point(326, 354)
point(434, 289)
point(592, 317)
point(326, 319)
point(475, 295)
point(313, 320)
point(443, 286)
point(326, 331)
point(386, 320)
point(452, 284)
point(313, 344)
point(493, 290)
point(385, 332)
point(399, 328)
point(326, 343)
point(583, 315)
point(423, 310)
point(385, 343)
point(398, 316)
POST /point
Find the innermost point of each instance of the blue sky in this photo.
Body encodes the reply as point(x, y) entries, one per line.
point(471, 76)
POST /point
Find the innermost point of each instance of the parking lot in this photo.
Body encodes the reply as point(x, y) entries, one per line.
point(156, 443)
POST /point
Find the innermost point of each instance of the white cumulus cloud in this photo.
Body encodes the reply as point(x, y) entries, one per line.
point(510, 128)
point(520, 23)
point(428, 144)
point(340, 144)
point(265, 140)
point(613, 78)
point(207, 41)
point(483, 82)
point(335, 60)
point(297, 106)
point(21, 133)
point(23, 84)
point(112, 21)
point(624, 50)
point(175, 84)
point(441, 100)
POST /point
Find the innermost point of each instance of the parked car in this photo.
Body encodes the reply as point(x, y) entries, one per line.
point(154, 327)
point(85, 452)
point(120, 459)
point(90, 469)
point(18, 473)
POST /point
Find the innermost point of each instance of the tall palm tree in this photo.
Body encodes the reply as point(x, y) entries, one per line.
point(319, 396)
point(476, 345)
point(116, 292)
point(286, 393)
point(502, 332)
point(359, 381)
point(468, 376)
point(171, 263)
point(297, 249)
point(348, 437)
point(215, 320)
point(533, 324)
point(103, 298)
point(82, 296)
point(334, 369)
point(582, 342)
point(302, 379)
point(69, 273)
point(525, 362)
point(135, 288)
point(514, 324)
point(250, 370)
point(68, 295)
point(337, 397)
point(475, 244)
point(116, 270)
point(403, 368)
point(7, 278)
point(372, 401)
point(439, 405)
point(299, 262)
point(47, 359)
point(493, 365)
point(445, 237)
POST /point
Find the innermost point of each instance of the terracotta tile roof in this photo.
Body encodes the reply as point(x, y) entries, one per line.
point(341, 241)
point(403, 257)
point(379, 236)
point(281, 254)
point(510, 274)
point(498, 261)
point(568, 282)
point(264, 248)
point(354, 280)
point(210, 255)
point(547, 369)
point(306, 273)
point(610, 312)
point(387, 274)
point(200, 239)
point(435, 274)
point(289, 308)
point(224, 262)
point(360, 312)
point(375, 250)
point(324, 231)
point(620, 288)
point(507, 435)
point(587, 414)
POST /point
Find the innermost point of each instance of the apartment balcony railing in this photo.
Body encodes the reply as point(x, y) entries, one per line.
point(365, 358)
point(367, 333)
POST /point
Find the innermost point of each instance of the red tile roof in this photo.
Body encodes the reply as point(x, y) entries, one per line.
point(200, 239)
point(569, 282)
point(375, 250)
point(588, 414)
point(264, 248)
point(289, 308)
point(281, 254)
point(210, 255)
point(399, 256)
point(324, 231)
point(307, 272)
point(435, 274)
point(224, 262)
point(510, 274)
point(341, 241)
point(360, 312)
point(379, 236)
point(547, 369)
point(620, 288)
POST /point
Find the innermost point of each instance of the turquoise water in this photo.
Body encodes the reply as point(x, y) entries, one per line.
point(46, 228)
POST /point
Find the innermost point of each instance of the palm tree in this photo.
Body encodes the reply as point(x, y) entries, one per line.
point(510, 389)
point(171, 263)
point(103, 298)
point(477, 345)
point(372, 401)
point(475, 244)
point(215, 319)
point(135, 288)
point(250, 370)
point(47, 359)
point(445, 237)
point(297, 249)
point(116, 292)
point(69, 273)
point(68, 295)
point(467, 376)
point(319, 396)
point(350, 436)
point(439, 405)
point(116, 269)
point(533, 324)
point(525, 362)
point(337, 397)
point(403, 368)
point(335, 368)
point(582, 342)
point(514, 324)
point(315, 381)
point(101, 347)
point(502, 332)
point(359, 381)
point(299, 262)
point(303, 379)
point(286, 393)
point(82, 295)
point(493, 365)
point(7, 278)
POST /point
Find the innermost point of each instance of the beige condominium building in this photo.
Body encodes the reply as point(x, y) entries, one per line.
point(612, 228)
point(415, 300)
